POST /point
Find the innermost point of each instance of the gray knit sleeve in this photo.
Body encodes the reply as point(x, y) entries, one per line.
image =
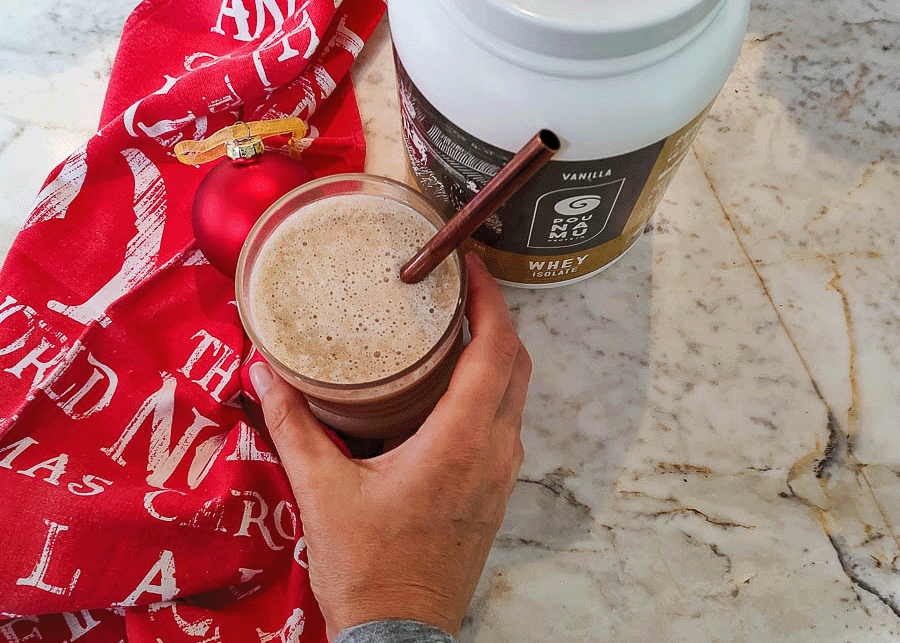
point(394, 632)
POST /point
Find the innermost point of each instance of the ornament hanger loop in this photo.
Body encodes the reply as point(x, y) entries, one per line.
point(246, 136)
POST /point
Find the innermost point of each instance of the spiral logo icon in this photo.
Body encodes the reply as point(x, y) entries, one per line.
point(577, 204)
point(575, 216)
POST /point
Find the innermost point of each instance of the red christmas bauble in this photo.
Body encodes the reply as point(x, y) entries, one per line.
point(233, 196)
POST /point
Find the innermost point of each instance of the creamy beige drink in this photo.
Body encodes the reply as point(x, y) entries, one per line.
point(326, 294)
point(319, 293)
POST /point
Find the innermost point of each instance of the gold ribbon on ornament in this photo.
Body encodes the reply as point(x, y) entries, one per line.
point(243, 140)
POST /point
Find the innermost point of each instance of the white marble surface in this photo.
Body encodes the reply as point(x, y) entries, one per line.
point(712, 440)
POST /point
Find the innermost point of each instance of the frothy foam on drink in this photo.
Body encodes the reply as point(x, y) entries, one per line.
point(326, 296)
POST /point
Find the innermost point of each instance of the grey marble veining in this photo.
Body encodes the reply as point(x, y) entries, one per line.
point(711, 433)
point(711, 428)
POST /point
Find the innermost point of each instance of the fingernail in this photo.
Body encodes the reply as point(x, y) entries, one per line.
point(473, 257)
point(261, 378)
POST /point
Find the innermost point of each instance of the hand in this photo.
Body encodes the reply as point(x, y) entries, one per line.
point(405, 535)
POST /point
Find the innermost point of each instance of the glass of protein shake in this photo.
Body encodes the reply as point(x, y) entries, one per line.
point(319, 293)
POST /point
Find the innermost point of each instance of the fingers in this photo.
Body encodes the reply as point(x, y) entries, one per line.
point(518, 459)
point(298, 436)
point(509, 420)
point(483, 372)
point(510, 410)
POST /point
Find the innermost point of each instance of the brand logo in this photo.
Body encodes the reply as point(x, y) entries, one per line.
point(572, 216)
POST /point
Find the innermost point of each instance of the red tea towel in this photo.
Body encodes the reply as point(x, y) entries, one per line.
point(138, 501)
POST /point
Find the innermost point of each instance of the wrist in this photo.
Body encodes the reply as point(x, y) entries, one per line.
point(393, 630)
point(421, 607)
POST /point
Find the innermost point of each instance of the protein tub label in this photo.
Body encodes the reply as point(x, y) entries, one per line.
point(570, 220)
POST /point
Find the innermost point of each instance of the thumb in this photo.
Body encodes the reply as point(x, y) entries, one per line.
point(299, 438)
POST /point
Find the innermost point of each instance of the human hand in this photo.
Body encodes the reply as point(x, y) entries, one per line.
point(405, 535)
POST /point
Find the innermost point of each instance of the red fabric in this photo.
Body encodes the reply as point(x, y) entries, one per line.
point(138, 501)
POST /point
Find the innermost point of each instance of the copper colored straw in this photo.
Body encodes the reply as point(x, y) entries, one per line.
point(503, 185)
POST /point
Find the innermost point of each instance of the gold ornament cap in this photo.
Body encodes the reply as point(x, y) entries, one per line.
point(244, 148)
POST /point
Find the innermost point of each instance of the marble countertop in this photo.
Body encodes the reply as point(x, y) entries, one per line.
point(712, 440)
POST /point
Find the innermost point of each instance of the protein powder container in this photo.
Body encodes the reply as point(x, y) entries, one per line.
point(625, 84)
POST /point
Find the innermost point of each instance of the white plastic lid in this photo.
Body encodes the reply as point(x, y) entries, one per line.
point(587, 29)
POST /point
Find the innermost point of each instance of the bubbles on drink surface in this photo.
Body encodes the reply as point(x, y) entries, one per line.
point(326, 294)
